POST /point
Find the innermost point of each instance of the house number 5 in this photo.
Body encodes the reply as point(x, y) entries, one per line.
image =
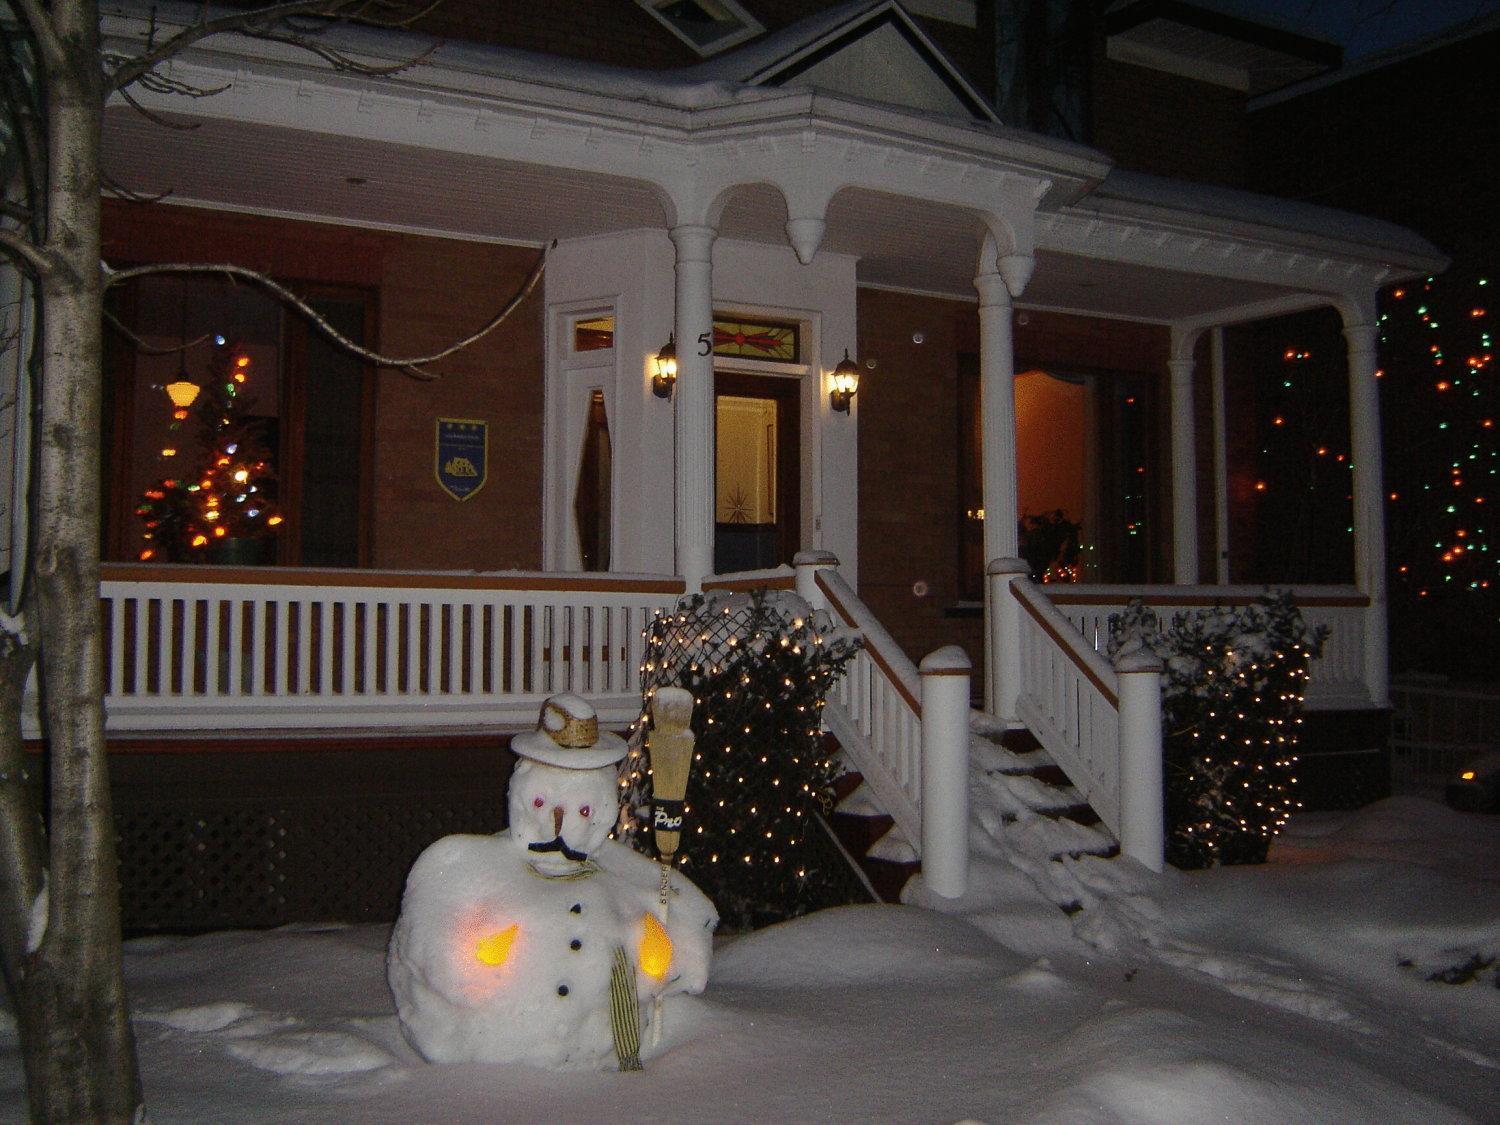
point(706, 342)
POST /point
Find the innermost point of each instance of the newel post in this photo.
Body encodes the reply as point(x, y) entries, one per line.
point(945, 770)
point(1002, 657)
point(807, 565)
point(1141, 819)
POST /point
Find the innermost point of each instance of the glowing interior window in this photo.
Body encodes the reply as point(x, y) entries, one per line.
point(593, 333)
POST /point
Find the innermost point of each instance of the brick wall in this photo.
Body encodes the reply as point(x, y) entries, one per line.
point(430, 291)
point(908, 446)
point(908, 467)
point(1149, 121)
point(1414, 142)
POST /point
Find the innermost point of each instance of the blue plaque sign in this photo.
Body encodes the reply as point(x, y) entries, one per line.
point(462, 445)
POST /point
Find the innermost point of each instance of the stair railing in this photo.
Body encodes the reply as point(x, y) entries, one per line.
point(1100, 723)
point(906, 729)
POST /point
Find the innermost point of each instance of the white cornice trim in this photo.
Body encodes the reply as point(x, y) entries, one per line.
point(1183, 247)
point(346, 221)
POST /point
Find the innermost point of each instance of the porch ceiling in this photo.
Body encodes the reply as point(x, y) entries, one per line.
point(240, 165)
point(900, 242)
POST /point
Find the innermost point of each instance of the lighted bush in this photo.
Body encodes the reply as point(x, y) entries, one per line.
point(759, 667)
point(1232, 689)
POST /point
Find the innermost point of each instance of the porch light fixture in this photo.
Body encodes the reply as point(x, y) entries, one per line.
point(845, 381)
point(666, 369)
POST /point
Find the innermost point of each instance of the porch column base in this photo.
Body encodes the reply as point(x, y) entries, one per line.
point(1002, 638)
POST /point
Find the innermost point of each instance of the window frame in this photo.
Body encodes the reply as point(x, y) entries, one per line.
point(749, 28)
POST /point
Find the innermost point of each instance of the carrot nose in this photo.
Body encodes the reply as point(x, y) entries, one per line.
point(557, 819)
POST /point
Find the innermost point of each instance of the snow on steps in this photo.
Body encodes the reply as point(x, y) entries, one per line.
point(1025, 801)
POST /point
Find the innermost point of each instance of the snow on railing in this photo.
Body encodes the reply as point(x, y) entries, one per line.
point(1069, 697)
point(207, 648)
point(1336, 680)
point(1100, 723)
point(906, 730)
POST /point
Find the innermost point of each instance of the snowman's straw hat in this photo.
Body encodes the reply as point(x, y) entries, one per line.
point(567, 735)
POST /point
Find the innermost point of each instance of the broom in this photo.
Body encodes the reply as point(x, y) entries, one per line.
point(670, 746)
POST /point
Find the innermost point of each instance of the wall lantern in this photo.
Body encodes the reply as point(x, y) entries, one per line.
point(845, 381)
point(183, 392)
point(666, 369)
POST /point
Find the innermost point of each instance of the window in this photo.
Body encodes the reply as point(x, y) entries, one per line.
point(1086, 481)
point(707, 26)
point(765, 340)
point(594, 333)
point(238, 435)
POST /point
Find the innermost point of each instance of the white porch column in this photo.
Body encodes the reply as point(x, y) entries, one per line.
point(997, 414)
point(1361, 333)
point(1184, 461)
point(694, 402)
point(1221, 461)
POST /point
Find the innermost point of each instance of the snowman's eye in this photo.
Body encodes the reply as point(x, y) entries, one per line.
point(584, 811)
point(537, 802)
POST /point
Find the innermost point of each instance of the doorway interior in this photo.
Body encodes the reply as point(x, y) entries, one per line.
point(757, 486)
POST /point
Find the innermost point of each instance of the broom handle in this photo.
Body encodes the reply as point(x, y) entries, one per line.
point(666, 909)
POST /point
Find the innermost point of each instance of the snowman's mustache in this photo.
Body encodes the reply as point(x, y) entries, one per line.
point(557, 844)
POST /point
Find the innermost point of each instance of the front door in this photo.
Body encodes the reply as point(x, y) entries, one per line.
point(757, 498)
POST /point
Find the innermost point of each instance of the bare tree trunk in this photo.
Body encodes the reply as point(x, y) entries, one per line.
point(86, 1069)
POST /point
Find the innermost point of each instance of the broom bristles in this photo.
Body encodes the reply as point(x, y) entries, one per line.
point(671, 743)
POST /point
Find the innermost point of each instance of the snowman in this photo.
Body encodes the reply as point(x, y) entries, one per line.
point(543, 944)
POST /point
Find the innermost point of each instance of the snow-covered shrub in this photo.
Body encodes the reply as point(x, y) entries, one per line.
point(1233, 680)
point(759, 666)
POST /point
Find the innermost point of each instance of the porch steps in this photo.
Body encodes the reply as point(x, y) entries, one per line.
point(861, 828)
point(1046, 824)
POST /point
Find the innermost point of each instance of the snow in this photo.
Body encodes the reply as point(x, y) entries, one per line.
point(1293, 992)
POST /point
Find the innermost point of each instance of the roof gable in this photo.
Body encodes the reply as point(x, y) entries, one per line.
point(873, 52)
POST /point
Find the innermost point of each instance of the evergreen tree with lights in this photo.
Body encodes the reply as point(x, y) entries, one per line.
point(1442, 408)
point(228, 501)
point(759, 667)
point(1232, 689)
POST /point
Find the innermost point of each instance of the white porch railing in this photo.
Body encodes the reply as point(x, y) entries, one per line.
point(210, 648)
point(905, 729)
point(1336, 680)
point(1438, 727)
point(1100, 723)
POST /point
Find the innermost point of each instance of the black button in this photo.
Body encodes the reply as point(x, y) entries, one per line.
point(562, 990)
point(575, 944)
point(576, 908)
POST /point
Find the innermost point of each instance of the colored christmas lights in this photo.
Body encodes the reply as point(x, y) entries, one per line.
point(230, 498)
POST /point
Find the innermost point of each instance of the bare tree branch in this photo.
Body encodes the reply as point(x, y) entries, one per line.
point(12, 210)
point(120, 191)
point(164, 84)
point(49, 43)
point(156, 118)
point(258, 22)
point(412, 365)
point(27, 135)
point(144, 348)
point(342, 62)
point(41, 262)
